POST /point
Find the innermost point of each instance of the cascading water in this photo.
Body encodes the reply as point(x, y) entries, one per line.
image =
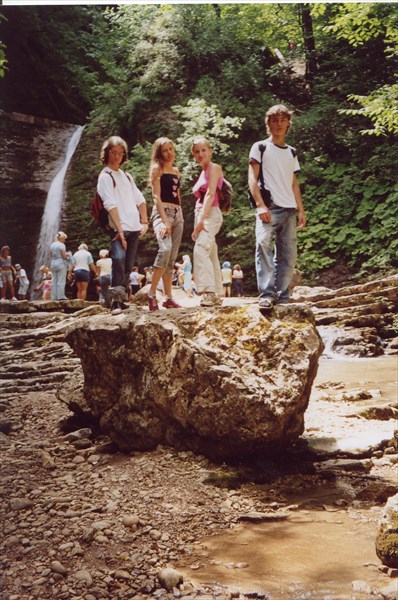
point(52, 211)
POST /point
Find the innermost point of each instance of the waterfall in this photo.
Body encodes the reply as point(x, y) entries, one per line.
point(51, 219)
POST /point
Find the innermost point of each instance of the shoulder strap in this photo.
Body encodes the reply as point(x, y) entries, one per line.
point(113, 179)
point(262, 148)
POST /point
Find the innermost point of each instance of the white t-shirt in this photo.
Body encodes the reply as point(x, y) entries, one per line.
point(134, 278)
point(82, 259)
point(125, 196)
point(279, 166)
point(105, 266)
point(23, 278)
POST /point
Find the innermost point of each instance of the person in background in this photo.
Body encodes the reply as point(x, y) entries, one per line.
point(82, 263)
point(186, 268)
point(23, 280)
point(276, 224)
point(167, 219)
point(59, 266)
point(135, 281)
point(45, 283)
point(128, 217)
point(208, 221)
point(148, 271)
point(104, 272)
point(237, 280)
point(7, 273)
point(226, 273)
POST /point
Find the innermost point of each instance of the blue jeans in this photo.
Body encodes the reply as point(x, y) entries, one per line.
point(123, 260)
point(276, 253)
point(105, 282)
point(59, 271)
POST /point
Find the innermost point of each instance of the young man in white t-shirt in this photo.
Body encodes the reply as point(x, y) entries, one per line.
point(276, 224)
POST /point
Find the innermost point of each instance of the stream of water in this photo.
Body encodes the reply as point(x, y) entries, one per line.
point(317, 553)
point(53, 208)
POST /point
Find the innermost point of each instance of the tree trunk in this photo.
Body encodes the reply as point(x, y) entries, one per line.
point(309, 41)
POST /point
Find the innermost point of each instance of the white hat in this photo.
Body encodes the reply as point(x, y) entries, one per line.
point(61, 234)
point(103, 253)
point(18, 266)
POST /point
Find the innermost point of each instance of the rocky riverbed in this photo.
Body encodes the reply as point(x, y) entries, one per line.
point(81, 520)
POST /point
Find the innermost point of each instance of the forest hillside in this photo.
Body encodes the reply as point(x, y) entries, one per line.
point(144, 71)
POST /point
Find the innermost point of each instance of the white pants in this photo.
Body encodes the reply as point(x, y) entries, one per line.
point(207, 270)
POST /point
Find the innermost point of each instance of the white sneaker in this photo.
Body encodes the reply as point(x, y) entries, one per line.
point(13, 299)
point(116, 308)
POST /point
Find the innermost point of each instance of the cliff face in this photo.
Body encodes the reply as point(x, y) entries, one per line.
point(33, 152)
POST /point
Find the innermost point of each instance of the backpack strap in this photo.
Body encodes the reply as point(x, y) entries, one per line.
point(262, 148)
point(113, 179)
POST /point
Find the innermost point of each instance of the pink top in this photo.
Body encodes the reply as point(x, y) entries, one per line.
point(201, 186)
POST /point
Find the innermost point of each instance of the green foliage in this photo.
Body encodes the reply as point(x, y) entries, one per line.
point(381, 107)
point(197, 119)
point(187, 70)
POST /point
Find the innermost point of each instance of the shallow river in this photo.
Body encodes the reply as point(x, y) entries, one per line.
point(316, 553)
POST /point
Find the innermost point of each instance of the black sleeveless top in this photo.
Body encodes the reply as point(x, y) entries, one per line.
point(169, 186)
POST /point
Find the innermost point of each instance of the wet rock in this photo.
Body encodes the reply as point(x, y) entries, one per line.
point(256, 517)
point(346, 464)
point(240, 383)
point(387, 537)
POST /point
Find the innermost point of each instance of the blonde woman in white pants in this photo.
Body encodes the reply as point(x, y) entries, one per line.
point(208, 221)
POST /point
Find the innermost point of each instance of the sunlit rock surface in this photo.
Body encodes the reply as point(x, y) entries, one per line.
point(228, 383)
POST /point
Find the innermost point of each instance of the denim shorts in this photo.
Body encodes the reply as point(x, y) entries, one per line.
point(82, 275)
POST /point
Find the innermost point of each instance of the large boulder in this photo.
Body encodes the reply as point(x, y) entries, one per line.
point(227, 383)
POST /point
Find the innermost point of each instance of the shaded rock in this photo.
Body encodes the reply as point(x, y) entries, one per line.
point(227, 384)
point(387, 537)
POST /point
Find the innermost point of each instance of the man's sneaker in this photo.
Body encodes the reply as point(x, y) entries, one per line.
point(209, 299)
point(123, 306)
point(170, 304)
point(152, 303)
point(116, 308)
point(13, 299)
point(265, 304)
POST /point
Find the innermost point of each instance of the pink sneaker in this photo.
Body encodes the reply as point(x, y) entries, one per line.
point(152, 303)
point(170, 304)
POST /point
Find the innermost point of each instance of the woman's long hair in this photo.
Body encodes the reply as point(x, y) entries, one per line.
point(156, 156)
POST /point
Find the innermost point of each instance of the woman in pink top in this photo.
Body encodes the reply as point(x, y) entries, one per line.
point(208, 221)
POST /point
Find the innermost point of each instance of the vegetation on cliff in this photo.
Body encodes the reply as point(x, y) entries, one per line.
point(180, 70)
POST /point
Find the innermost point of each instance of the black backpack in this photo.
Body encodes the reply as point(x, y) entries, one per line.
point(225, 195)
point(265, 194)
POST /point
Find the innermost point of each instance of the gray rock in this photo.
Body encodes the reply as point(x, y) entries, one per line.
point(170, 578)
point(226, 384)
point(387, 537)
point(58, 567)
point(84, 576)
point(20, 503)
